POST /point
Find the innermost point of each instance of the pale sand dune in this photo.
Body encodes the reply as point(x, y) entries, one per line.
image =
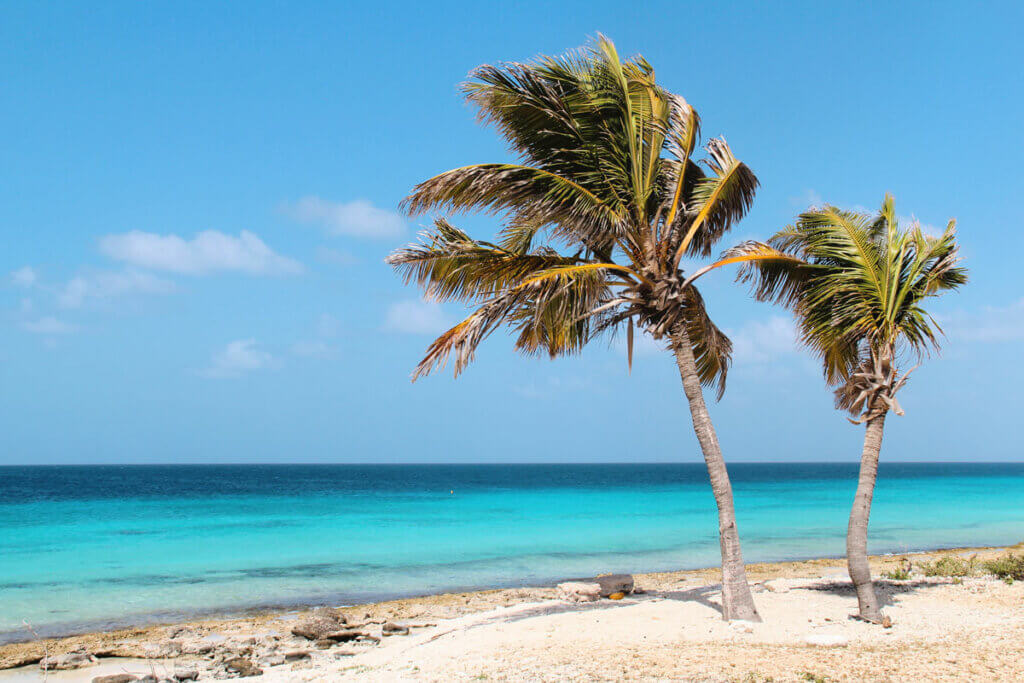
point(943, 630)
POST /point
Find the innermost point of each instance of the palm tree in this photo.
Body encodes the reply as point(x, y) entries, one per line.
point(606, 172)
point(857, 284)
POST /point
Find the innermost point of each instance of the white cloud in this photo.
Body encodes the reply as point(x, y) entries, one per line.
point(238, 358)
point(24, 277)
point(106, 284)
point(48, 325)
point(337, 257)
point(313, 349)
point(807, 199)
point(358, 218)
point(764, 341)
point(416, 317)
point(990, 324)
point(209, 251)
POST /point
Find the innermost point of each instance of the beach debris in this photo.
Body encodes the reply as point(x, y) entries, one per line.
point(614, 583)
point(296, 655)
point(319, 623)
point(776, 586)
point(616, 596)
point(242, 667)
point(579, 591)
point(826, 640)
point(115, 678)
point(390, 628)
point(741, 626)
point(69, 660)
point(185, 673)
point(273, 660)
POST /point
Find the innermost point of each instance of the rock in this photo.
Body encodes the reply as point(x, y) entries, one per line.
point(167, 650)
point(115, 678)
point(614, 583)
point(185, 673)
point(579, 591)
point(70, 660)
point(344, 635)
point(390, 628)
point(296, 655)
point(183, 632)
point(341, 654)
point(243, 667)
point(319, 623)
point(196, 648)
point(324, 644)
point(826, 640)
point(273, 660)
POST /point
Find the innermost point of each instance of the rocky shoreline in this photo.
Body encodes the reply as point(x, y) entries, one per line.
point(297, 641)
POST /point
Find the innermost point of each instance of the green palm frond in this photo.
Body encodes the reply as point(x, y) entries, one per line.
point(605, 193)
point(858, 284)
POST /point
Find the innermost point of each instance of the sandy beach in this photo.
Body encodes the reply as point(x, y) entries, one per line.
point(944, 628)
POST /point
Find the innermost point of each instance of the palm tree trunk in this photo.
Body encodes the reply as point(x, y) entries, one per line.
point(737, 602)
point(857, 532)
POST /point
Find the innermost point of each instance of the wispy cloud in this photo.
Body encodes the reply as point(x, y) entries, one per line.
point(357, 218)
point(238, 358)
point(989, 324)
point(763, 341)
point(416, 317)
point(327, 327)
point(24, 277)
point(48, 325)
point(208, 252)
point(108, 284)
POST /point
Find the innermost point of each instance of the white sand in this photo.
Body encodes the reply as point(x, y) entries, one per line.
point(943, 631)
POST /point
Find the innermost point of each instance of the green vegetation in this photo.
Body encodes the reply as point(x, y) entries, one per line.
point(1009, 568)
point(951, 565)
point(901, 572)
point(816, 678)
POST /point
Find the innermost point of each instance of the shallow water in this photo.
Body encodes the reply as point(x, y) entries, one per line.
point(89, 547)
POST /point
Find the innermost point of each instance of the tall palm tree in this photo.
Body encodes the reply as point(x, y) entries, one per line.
point(857, 284)
point(606, 172)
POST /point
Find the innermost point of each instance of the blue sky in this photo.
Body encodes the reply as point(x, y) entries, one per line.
point(196, 200)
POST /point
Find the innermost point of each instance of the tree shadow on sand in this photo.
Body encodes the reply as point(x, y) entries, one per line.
point(886, 591)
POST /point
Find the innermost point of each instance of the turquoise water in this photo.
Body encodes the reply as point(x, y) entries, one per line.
point(88, 547)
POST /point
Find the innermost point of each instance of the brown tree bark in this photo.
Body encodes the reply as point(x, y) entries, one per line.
point(737, 602)
point(857, 531)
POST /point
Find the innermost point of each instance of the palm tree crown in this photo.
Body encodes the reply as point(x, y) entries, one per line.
point(604, 202)
point(858, 284)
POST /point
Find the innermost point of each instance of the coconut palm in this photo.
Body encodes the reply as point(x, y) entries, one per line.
point(858, 284)
point(605, 201)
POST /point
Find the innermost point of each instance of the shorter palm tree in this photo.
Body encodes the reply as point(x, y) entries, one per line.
point(857, 284)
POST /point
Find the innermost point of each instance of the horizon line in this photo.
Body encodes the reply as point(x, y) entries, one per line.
point(485, 464)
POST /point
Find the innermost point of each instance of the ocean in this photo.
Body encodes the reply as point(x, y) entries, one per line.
point(93, 547)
